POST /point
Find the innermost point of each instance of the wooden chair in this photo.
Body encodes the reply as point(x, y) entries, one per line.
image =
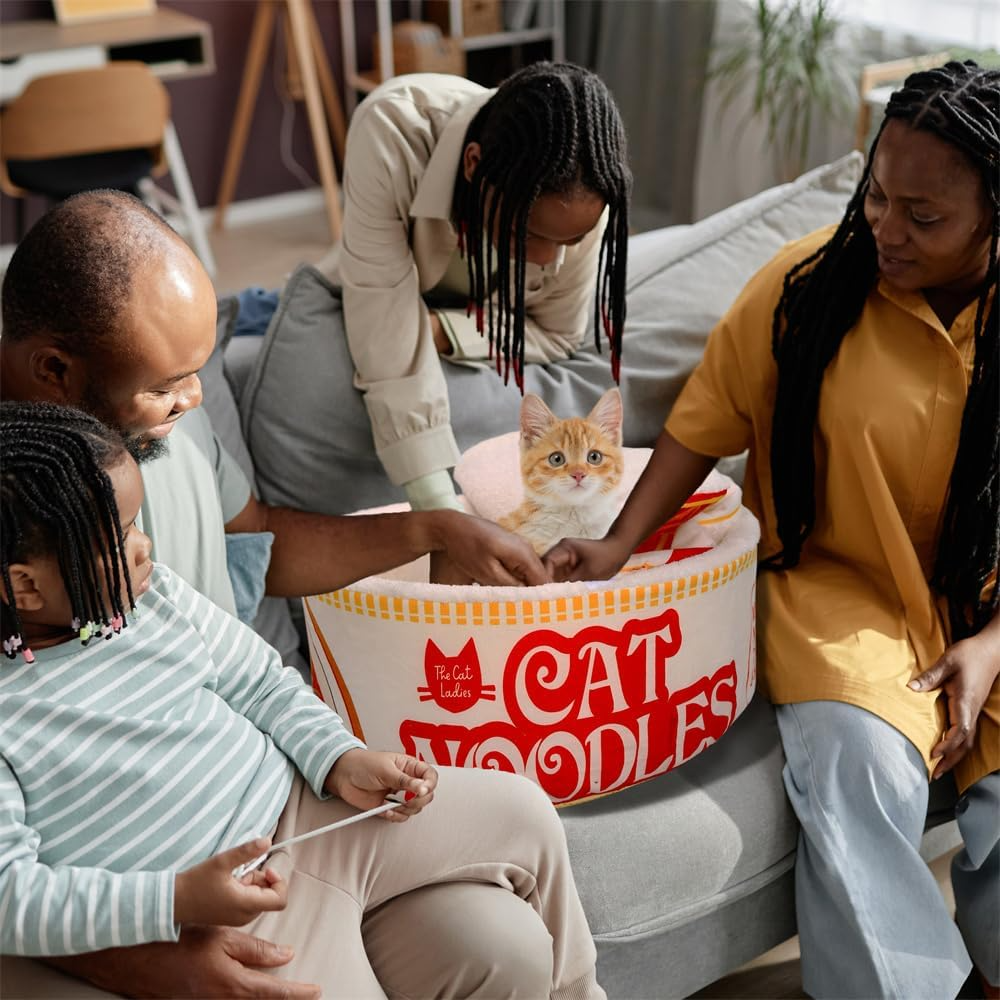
point(873, 91)
point(103, 127)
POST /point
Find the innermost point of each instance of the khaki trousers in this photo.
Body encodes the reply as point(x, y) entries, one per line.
point(472, 897)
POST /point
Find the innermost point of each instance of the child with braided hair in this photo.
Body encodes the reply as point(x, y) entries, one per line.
point(477, 224)
point(861, 367)
point(144, 757)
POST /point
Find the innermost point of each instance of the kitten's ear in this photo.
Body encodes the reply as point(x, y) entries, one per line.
point(536, 418)
point(607, 414)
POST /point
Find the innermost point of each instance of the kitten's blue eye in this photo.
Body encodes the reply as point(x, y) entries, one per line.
point(556, 459)
point(594, 457)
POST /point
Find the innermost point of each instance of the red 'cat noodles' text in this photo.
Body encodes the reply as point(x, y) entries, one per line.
point(591, 712)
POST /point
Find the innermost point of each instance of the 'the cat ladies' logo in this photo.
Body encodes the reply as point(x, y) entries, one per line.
point(454, 683)
point(589, 713)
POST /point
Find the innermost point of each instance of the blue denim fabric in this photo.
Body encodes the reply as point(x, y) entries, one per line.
point(248, 555)
point(256, 307)
point(872, 922)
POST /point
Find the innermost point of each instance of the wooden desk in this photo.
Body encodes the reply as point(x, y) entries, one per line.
point(174, 45)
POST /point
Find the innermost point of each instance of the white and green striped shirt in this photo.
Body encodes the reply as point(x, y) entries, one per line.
point(131, 759)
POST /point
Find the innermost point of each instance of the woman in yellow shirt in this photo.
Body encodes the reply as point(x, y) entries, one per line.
point(860, 367)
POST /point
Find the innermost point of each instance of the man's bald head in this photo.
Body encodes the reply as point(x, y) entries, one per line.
point(72, 276)
point(107, 309)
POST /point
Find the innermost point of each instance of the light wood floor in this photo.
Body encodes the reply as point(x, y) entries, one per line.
point(264, 254)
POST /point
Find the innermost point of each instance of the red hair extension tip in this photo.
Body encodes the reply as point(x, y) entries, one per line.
point(606, 323)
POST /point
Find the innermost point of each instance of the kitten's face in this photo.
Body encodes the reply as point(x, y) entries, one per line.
point(572, 461)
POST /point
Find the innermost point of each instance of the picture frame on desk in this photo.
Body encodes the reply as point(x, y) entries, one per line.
point(78, 11)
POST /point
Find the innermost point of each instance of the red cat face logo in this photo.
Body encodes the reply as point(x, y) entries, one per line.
point(454, 683)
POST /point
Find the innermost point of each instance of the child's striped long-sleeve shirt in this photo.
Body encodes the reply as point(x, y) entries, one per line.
point(126, 761)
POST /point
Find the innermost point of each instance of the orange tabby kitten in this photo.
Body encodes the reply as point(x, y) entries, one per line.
point(571, 470)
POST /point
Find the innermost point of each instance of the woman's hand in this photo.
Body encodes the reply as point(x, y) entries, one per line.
point(584, 559)
point(363, 778)
point(966, 672)
point(208, 893)
point(441, 342)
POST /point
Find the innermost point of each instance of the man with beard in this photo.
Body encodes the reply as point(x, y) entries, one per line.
point(106, 308)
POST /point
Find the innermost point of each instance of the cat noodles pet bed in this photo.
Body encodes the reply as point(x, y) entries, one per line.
point(587, 688)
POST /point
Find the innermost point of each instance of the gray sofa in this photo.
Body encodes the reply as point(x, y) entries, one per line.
point(685, 877)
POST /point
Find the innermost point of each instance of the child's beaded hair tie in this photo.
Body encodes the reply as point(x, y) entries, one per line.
point(106, 630)
point(14, 644)
point(11, 646)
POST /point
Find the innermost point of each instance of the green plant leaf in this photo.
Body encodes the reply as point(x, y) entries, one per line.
point(794, 68)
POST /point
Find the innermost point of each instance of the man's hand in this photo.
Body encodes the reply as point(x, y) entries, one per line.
point(205, 962)
point(966, 672)
point(363, 778)
point(584, 559)
point(443, 570)
point(317, 553)
point(208, 893)
point(488, 554)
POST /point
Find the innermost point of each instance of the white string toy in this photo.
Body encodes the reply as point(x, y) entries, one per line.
point(253, 865)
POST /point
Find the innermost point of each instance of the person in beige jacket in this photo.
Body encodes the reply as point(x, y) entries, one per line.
point(433, 163)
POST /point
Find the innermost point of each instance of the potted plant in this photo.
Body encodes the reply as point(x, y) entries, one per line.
point(792, 62)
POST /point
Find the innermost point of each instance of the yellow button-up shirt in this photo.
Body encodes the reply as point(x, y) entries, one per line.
point(856, 619)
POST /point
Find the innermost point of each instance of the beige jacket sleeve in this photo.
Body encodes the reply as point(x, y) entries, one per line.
point(388, 326)
point(558, 301)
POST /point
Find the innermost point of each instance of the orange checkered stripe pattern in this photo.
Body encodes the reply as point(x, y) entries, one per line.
point(545, 611)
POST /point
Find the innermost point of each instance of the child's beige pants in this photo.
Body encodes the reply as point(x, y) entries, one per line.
point(472, 897)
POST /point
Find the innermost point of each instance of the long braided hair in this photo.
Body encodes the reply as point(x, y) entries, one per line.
point(56, 498)
point(822, 299)
point(551, 128)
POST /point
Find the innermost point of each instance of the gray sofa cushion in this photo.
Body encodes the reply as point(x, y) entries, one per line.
point(689, 875)
point(306, 424)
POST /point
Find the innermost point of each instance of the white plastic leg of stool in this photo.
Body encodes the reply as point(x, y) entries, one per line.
point(185, 194)
point(151, 194)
